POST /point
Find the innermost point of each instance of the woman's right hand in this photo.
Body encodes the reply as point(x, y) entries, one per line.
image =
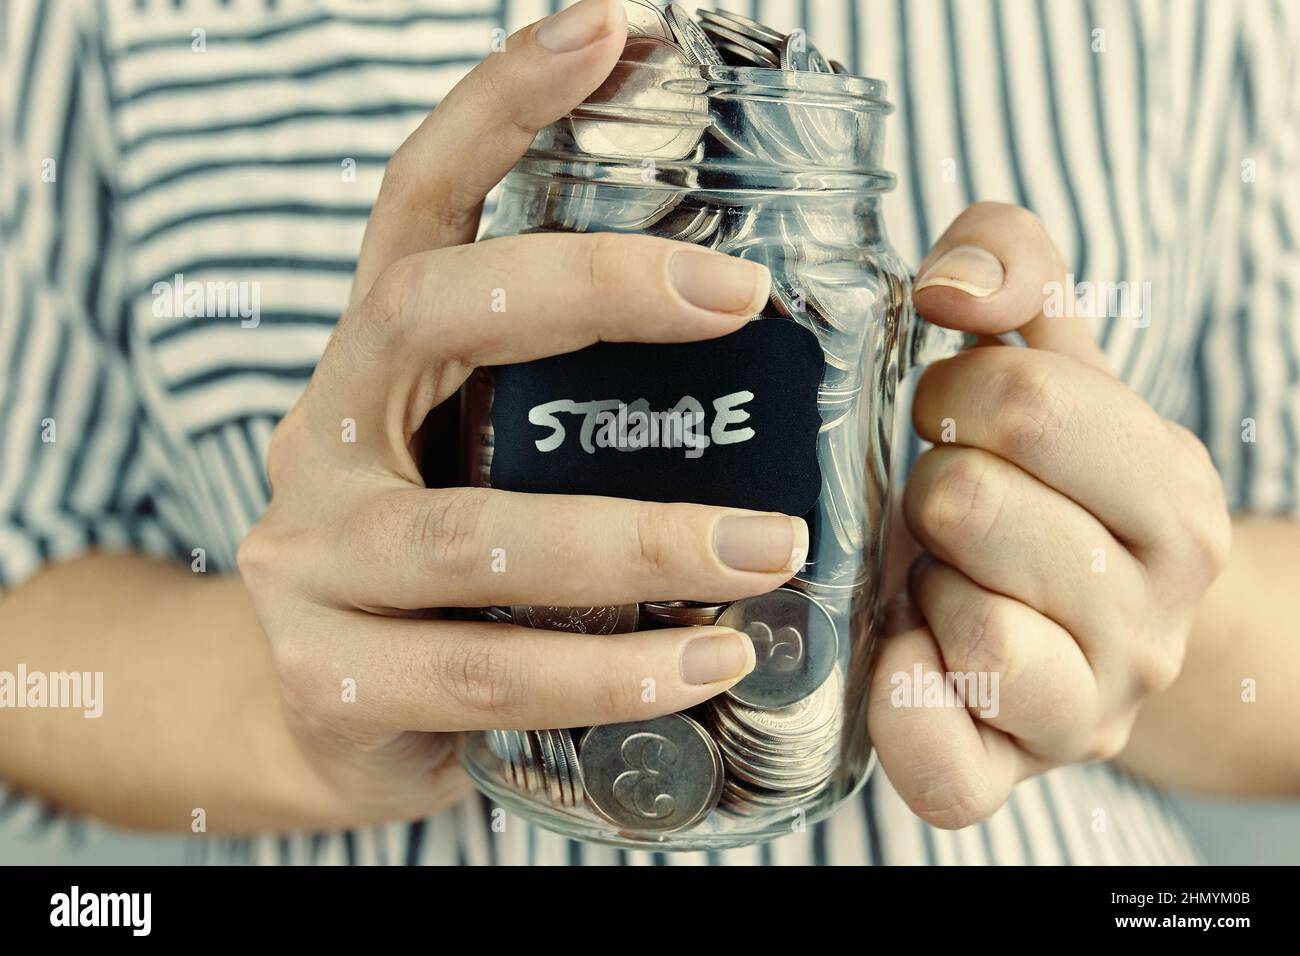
point(353, 548)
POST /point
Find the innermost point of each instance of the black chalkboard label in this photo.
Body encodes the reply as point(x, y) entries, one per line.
point(730, 421)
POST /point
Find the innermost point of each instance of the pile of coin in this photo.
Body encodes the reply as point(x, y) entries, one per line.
point(543, 762)
point(777, 758)
point(772, 742)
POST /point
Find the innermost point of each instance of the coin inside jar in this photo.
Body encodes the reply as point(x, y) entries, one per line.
point(614, 619)
point(691, 37)
point(795, 645)
point(644, 19)
point(682, 613)
point(640, 110)
point(653, 775)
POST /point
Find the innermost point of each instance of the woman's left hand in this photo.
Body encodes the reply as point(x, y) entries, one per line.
point(1069, 533)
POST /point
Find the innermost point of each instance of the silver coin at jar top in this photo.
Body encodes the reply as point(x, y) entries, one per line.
point(644, 83)
point(743, 25)
point(685, 30)
point(614, 619)
point(644, 19)
point(798, 54)
point(720, 35)
point(652, 775)
point(795, 644)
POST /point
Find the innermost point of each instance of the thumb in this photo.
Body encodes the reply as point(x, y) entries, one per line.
point(434, 185)
point(992, 271)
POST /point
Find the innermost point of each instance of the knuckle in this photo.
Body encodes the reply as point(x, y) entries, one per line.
point(654, 544)
point(272, 558)
point(1156, 670)
point(283, 450)
point(254, 555)
point(1209, 536)
point(1107, 743)
point(448, 522)
point(956, 799)
point(1033, 409)
point(484, 679)
point(619, 692)
point(295, 663)
point(963, 503)
point(392, 300)
point(598, 255)
point(501, 97)
point(438, 531)
point(984, 635)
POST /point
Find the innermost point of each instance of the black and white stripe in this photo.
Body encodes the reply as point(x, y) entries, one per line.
point(227, 165)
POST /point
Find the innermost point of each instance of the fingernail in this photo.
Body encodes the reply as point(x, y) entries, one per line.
point(900, 615)
point(968, 269)
point(725, 655)
point(761, 542)
point(577, 26)
point(720, 283)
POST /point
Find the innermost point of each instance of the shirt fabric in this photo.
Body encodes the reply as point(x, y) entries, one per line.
point(1156, 141)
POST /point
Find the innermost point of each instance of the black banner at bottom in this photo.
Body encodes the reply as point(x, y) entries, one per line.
point(930, 908)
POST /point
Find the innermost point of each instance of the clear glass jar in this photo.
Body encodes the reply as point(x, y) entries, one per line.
point(783, 168)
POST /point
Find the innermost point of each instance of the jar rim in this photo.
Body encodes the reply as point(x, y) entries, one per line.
point(824, 89)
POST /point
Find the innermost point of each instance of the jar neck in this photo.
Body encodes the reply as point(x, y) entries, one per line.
point(581, 195)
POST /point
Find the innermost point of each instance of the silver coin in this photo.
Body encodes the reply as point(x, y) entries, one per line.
point(644, 19)
point(497, 613)
point(549, 765)
point(625, 116)
point(687, 32)
point(799, 54)
point(682, 613)
point(652, 775)
point(741, 800)
point(743, 57)
point(720, 34)
point(775, 769)
point(800, 721)
point(567, 757)
point(795, 643)
point(497, 745)
point(613, 619)
point(743, 25)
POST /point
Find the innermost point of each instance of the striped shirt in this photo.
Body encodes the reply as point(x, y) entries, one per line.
point(142, 139)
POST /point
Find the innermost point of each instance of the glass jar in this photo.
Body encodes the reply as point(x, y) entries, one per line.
point(783, 168)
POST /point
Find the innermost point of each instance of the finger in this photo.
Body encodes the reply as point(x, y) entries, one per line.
point(447, 676)
point(1020, 672)
point(470, 547)
point(435, 183)
point(435, 316)
point(1046, 414)
point(993, 270)
point(950, 769)
point(1014, 535)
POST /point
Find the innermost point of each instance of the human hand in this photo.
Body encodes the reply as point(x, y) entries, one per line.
point(353, 547)
point(1069, 534)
